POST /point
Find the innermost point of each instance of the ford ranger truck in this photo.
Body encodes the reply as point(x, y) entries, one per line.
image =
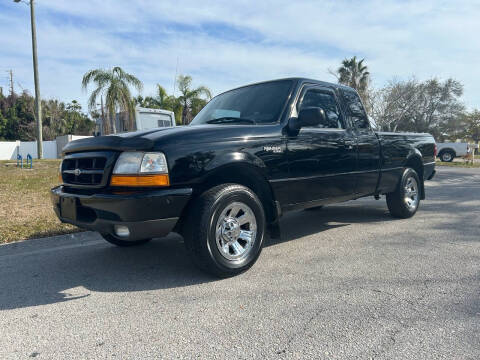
point(252, 154)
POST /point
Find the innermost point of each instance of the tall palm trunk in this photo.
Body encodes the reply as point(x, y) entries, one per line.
point(105, 123)
point(184, 113)
point(131, 119)
point(113, 121)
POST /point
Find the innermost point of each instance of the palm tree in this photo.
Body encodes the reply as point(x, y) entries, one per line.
point(115, 86)
point(354, 73)
point(161, 94)
point(191, 98)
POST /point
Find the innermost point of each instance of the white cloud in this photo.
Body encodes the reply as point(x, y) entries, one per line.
point(225, 44)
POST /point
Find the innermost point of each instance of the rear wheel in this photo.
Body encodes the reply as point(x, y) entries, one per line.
point(403, 202)
point(447, 156)
point(123, 243)
point(224, 231)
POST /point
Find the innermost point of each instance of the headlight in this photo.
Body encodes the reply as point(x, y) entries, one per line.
point(128, 163)
point(154, 163)
point(134, 168)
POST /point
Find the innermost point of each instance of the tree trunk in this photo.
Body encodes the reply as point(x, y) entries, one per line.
point(132, 120)
point(113, 121)
point(105, 125)
point(184, 114)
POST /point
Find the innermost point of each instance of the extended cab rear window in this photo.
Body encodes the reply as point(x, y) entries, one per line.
point(355, 109)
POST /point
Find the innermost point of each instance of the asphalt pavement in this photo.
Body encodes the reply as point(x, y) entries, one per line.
point(345, 282)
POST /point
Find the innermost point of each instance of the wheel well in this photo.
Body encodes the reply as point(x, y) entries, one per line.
point(416, 164)
point(247, 176)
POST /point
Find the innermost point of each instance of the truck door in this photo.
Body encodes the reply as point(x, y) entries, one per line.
point(368, 145)
point(321, 159)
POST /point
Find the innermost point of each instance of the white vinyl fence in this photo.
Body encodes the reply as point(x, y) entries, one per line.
point(9, 150)
point(30, 147)
point(51, 149)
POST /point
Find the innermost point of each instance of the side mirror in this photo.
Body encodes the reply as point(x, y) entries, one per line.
point(309, 116)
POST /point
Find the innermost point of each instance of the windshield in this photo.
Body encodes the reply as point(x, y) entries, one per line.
point(255, 104)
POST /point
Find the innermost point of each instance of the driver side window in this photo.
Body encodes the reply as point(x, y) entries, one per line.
point(326, 101)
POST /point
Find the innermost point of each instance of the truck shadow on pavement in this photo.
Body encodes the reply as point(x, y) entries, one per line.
point(304, 223)
point(54, 270)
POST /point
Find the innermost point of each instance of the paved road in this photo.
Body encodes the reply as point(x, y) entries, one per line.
point(347, 281)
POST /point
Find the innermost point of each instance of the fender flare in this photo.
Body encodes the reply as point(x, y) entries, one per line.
point(245, 169)
point(415, 161)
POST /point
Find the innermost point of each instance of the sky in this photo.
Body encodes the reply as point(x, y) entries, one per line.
point(225, 44)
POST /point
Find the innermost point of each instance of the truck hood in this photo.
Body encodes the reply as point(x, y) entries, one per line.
point(150, 139)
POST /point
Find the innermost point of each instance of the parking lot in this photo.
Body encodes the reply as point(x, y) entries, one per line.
point(347, 281)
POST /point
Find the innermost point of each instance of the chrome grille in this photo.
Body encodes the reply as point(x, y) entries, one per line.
point(88, 169)
point(83, 171)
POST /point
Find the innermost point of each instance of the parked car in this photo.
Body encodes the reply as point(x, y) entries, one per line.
point(449, 151)
point(251, 154)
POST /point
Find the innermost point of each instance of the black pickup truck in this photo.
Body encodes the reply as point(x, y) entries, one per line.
point(250, 155)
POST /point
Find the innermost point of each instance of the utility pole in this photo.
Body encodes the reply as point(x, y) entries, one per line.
point(11, 82)
point(38, 105)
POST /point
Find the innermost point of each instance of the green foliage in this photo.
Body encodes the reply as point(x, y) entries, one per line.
point(76, 122)
point(148, 102)
point(17, 119)
point(115, 86)
point(354, 73)
point(3, 125)
point(472, 126)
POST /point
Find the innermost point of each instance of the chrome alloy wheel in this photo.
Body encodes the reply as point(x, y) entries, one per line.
point(446, 157)
point(236, 231)
point(411, 193)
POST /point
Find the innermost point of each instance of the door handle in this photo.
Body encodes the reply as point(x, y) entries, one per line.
point(349, 144)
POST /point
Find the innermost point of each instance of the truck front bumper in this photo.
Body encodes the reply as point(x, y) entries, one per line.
point(146, 214)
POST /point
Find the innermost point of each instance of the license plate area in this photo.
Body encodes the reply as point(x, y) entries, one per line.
point(68, 208)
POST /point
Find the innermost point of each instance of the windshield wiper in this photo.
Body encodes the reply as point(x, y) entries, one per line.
point(230, 119)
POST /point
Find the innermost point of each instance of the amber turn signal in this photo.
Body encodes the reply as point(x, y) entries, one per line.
point(140, 180)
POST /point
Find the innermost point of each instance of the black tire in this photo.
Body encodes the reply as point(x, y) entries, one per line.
point(315, 208)
point(447, 156)
point(123, 243)
point(201, 230)
point(397, 202)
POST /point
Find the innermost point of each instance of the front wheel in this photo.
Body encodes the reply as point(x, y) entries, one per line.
point(225, 229)
point(403, 202)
